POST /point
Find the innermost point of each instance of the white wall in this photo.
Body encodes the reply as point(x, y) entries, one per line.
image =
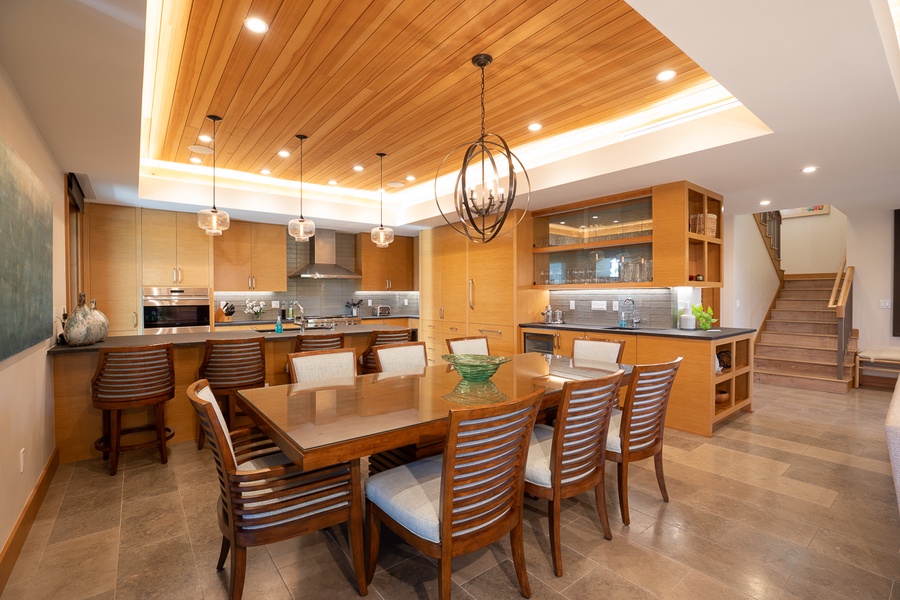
point(750, 278)
point(870, 238)
point(813, 244)
point(26, 404)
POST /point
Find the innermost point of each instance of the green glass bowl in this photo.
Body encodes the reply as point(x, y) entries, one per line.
point(475, 367)
point(475, 393)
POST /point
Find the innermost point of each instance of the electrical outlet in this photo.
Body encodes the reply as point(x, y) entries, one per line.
point(276, 304)
point(369, 302)
point(405, 302)
point(22, 460)
point(737, 303)
point(595, 305)
point(884, 304)
point(615, 305)
point(571, 305)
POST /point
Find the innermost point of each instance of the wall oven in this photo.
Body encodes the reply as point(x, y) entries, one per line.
point(176, 310)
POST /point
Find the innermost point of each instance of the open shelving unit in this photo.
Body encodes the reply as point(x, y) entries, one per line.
point(736, 379)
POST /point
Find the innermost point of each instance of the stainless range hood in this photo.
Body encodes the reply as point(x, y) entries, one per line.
point(323, 260)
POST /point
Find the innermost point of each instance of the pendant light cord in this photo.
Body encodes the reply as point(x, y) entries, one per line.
point(215, 135)
point(302, 137)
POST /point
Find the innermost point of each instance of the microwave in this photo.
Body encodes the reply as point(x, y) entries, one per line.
point(381, 311)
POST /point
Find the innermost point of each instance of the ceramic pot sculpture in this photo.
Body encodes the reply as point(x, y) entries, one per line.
point(100, 323)
point(78, 331)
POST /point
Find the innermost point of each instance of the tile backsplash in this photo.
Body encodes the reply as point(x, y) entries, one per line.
point(655, 307)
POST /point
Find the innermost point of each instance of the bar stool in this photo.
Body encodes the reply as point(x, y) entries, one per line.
point(325, 341)
point(133, 377)
point(229, 366)
point(381, 338)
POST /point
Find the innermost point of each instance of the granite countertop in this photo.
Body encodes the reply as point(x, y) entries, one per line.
point(697, 334)
point(197, 339)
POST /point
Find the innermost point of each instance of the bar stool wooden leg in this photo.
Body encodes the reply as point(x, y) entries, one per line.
point(159, 415)
point(115, 440)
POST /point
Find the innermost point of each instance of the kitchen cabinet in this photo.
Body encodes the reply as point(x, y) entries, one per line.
point(471, 289)
point(385, 269)
point(251, 256)
point(666, 235)
point(111, 254)
point(174, 250)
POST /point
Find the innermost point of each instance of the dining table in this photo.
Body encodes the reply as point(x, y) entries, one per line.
point(352, 417)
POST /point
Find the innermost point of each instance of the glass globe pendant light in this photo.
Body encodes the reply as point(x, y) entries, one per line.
point(381, 235)
point(212, 220)
point(481, 203)
point(301, 229)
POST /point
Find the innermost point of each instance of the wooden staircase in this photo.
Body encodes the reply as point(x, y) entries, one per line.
point(797, 346)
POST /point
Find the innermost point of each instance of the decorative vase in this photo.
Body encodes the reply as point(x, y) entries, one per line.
point(257, 316)
point(100, 323)
point(79, 326)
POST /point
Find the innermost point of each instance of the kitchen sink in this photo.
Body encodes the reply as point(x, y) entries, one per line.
point(618, 328)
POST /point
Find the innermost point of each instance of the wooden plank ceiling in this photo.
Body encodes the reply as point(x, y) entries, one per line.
point(395, 76)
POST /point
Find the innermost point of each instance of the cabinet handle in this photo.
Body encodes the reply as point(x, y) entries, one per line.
point(179, 274)
point(134, 319)
point(497, 331)
point(174, 275)
point(454, 329)
point(430, 325)
point(387, 284)
point(442, 312)
point(472, 294)
point(249, 283)
point(558, 343)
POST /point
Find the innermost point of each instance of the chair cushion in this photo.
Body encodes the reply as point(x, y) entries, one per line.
point(613, 441)
point(537, 468)
point(411, 495)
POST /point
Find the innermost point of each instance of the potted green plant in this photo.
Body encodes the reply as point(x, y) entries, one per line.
point(704, 317)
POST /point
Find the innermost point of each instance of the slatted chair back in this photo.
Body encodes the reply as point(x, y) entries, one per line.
point(598, 350)
point(232, 365)
point(381, 338)
point(327, 341)
point(480, 496)
point(323, 368)
point(133, 377)
point(469, 345)
point(568, 459)
point(637, 431)
point(261, 505)
point(401, 359)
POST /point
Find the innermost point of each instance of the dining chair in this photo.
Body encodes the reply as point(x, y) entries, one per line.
point(133, 377)
point(324, 341)
point(320, 368)
point(598, 350)
point(229, 366)
point(264, 498)
point(636, 432)
point(569, 458)
point(466, 498)
point(469, 345)
point(401, 359)
point(381, 337)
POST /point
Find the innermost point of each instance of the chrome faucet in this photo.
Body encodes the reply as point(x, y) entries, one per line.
point(628, 316)
point(298, 314)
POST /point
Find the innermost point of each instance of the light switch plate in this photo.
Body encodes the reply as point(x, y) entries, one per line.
point(598, 304)
point(884, 304)
point(571, 305)
point(615, 305)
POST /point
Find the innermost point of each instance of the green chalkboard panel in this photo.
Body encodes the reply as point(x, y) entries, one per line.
point(26, 256)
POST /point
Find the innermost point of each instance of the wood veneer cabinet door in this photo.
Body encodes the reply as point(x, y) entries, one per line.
point(491, 287)
point(174, 250)
point(268, 257)
point(430, 277)
point(385, 269)
point(231, 255)
point(112, 265)
point(454, 266)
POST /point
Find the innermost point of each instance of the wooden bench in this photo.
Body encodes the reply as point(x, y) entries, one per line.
point(878, 360)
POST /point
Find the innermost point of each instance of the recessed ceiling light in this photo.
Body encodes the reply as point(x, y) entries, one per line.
point(410, 178)
point(562, 222)
point(395, 184)
point(358, 168)
point(332, 182)
point(200, 149)
point(809, 169)
point(595, 217)
point(196, 160)
point(616, 221)
point(256, 25)
point(283, 153)
point(765, 202)
point(205, 138)
point(666, 75)
point(535, 127)
point(265, 172)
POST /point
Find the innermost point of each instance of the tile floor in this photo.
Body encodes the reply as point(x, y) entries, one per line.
point(791, 502)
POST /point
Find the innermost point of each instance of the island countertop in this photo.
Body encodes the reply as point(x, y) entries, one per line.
point(691, 334)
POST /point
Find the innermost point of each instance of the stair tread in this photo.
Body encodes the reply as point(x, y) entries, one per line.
point(805, 322)
point(800, 360)
point(771, 345)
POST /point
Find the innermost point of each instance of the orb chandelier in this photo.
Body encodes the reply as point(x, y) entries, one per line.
point(487, 183)
point(301, 229)
point(381, 235)
point(211, 220)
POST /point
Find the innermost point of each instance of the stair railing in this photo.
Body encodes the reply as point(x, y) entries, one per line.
point(769, 224)
point(842, 301)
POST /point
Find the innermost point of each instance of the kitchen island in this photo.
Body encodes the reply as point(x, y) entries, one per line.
point(78, 423)
point(702, 395)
